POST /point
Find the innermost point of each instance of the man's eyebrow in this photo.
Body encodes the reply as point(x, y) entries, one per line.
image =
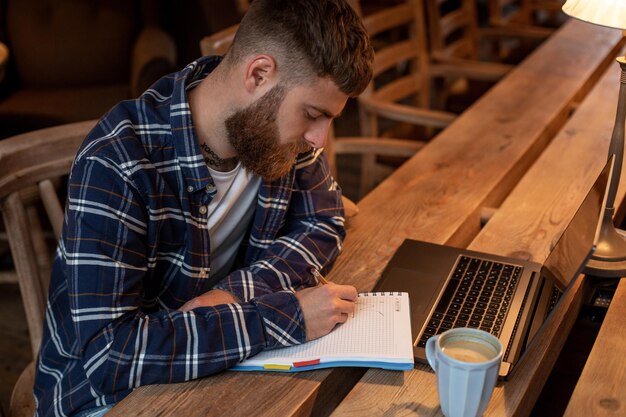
point(325, 112)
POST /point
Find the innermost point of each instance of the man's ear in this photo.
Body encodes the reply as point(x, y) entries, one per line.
point(260, 72)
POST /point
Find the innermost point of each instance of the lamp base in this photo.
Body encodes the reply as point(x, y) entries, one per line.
point(609, 259)
point(602, 269)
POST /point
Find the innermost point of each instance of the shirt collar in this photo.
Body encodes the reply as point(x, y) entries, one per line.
point(184, 137)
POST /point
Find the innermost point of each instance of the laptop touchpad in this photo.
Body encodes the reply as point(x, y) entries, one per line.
point(423, 287)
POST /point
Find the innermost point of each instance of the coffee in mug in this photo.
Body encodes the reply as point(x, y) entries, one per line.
point(466, 362)
point(468, 350)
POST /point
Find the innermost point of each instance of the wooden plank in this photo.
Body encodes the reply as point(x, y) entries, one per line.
point(436, 196)
point(532, 218)
point(600, 390)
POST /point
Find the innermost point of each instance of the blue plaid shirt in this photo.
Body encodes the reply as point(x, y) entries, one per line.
point(135, 248)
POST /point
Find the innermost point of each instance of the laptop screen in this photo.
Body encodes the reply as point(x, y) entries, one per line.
point(570, 253)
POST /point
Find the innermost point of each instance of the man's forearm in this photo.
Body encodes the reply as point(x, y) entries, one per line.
point(169, 347)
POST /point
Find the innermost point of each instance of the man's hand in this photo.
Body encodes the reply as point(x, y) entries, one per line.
point(325, 306)
point(208, 299)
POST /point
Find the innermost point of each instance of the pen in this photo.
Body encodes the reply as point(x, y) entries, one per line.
point(320, 278)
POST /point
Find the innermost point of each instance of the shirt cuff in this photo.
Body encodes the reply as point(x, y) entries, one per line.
point(283, 320)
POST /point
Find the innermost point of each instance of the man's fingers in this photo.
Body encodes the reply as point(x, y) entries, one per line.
point(348, 292)
point(345, 292)
point(325, 306)
point(345, 306)
point(343, 317)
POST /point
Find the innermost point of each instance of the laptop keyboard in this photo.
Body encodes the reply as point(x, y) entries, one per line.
point(478, 295)
point(555, 295)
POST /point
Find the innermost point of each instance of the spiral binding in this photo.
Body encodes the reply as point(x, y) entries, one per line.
point(380, 293)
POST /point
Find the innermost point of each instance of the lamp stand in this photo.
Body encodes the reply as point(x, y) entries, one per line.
point(609, 259)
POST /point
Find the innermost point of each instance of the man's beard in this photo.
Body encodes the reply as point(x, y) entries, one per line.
point(253, 134)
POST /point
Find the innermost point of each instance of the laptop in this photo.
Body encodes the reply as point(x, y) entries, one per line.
point(510, 298)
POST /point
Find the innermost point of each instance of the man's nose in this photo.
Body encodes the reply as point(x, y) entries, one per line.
point(318, 134)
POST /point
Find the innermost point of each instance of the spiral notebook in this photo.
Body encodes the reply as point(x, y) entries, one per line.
point(377, 335)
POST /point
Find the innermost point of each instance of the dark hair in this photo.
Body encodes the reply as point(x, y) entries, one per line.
point(325, 38)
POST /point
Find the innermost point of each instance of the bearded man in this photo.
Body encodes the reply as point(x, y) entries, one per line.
point(200, 214)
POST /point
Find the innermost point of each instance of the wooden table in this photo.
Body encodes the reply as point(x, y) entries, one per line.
point(601, 389)
point(436, 196)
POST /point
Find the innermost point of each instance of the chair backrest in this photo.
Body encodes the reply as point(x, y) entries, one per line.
point(453, 28)
point(401, 62)
point(519, 17)
point(545, 11)
point(242, 5)
point(219, 42)
point(503, 12)
point(32, 166)
point(455, 33)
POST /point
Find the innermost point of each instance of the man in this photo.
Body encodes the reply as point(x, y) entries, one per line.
point(199, 214)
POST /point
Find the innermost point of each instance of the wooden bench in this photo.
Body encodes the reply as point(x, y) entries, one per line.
point(526, 225)
point(436, 196)
point(600, 390)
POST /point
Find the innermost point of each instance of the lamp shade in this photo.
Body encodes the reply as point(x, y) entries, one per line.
point(611, 13)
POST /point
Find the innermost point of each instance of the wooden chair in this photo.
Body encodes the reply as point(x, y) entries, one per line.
point(366, 149)
point(397, 103)
point(456, 35)
point(400, 88)
point(218, 42)
point(515, 18)
point(242, 5)
point(400, 101)
point(546, 12)
point(488, 52)
point(512, 29)
point(30, 166)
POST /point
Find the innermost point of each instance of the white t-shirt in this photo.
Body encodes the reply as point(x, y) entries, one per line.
point(229, 215)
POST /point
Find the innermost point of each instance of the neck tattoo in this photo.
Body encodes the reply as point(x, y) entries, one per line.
point(213, 159)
